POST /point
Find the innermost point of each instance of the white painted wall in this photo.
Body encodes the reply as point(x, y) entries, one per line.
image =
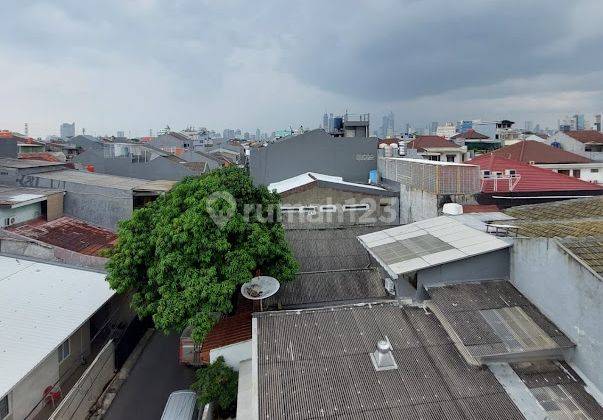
point(568, 294)
point(233, 354)
point(28, 393)
point(21, 214)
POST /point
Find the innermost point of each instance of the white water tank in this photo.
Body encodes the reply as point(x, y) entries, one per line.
point(452, 209)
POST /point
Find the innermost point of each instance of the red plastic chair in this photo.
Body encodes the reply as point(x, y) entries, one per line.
point(52, 393)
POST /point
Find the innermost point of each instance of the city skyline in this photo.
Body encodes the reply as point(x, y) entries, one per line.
point(137, 65)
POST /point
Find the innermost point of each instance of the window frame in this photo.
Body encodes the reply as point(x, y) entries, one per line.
point(356, 207)
point(61, 351)
point(8, 406)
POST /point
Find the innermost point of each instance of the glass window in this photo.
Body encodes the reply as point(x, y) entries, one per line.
point(355, 207)
point(64, 350)
point(4, 409)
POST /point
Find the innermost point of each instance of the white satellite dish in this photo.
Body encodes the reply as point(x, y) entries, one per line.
point(260, 287)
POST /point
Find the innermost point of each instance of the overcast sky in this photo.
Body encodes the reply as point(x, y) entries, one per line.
point(134, 65)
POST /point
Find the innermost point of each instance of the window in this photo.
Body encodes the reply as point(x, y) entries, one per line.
point(4, 408)
point(576, 173)
point(450, 158)
point(436, 158)
point(64, 350)
point(355, 207)
point(564, 171)
point(594, 171)
point(486, 174)
point(328, 208)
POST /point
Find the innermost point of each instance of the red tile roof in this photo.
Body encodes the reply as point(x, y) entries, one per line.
point(229, 330)
point(529, 178)
point(68, 233)
point(470, 134)
point(535, 151)
point(46, 156)
point(586, 136)
point(427, 142)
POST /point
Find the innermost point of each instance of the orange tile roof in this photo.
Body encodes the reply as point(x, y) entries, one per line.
point(535, 151)
point(46, 156)
point(586, 136)
point(229, 330)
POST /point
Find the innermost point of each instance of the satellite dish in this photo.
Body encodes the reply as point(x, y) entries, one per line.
point(260, 287)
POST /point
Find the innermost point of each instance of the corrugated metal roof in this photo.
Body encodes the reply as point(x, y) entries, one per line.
point(334, 267)
point(492, 318)
point(68, 233)
point(310, 177)
point(428, 243)
point(316, 364)
point(41, 305)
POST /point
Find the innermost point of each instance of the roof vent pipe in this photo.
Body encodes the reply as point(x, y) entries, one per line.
point(382, 358)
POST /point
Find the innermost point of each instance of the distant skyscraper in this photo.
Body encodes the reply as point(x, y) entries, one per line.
point(528, 125)
point(597, 123)
point(578, 122)
point(67, 130)
point(433, 128)
point(325, 122)
point(120, 134)
point(258, 134)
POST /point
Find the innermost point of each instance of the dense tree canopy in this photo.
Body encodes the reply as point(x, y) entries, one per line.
point(184, 255)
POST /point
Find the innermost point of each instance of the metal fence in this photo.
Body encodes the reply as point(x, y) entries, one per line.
point(85, 392)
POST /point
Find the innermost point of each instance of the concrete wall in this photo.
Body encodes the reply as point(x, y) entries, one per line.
point(21, 214)
point(572, 145)
point(101, 206)
point(158, 168)
point(568, 294)
point(491, 266)
point(9, 148)
point(233, 354)
point(314, 151)
point(383, 210)
point(77, 403)
point(417, 205)
point(28, 393)
point(79, 344)
point(13, 177)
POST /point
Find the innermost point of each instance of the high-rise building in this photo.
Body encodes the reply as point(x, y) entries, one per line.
point(331, 123)
point(258, 134)
point(578, 122)
point(528, 125)
point(325, 122)
point(387, 129)
point(120, 134)
point(597, 123)
point(67, 130)
point(433, 128)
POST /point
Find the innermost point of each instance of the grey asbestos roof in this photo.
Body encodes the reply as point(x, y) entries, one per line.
point(26, 163)
point(494, 322)
point(334, 267)
point(556, 379)
point(315, 364)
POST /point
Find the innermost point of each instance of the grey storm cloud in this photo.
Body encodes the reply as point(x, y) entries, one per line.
point(186, 58)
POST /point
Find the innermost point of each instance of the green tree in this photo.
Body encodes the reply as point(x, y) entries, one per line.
point(182, 267)
point(217, 383)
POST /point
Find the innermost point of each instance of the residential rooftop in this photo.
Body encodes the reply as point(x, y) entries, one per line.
point(334, 267)
point(470, 134)
point(526, 178)
point(534, 152)
point(428, 243)
point(316, 363)
point(107, 181)
point(20, 196)
point(569, 218)
point(67, 233)
point(492, 322)
point(423, 143)
point(41, 305)
point(27, 163)
point(298, 182)
point(586, 136)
